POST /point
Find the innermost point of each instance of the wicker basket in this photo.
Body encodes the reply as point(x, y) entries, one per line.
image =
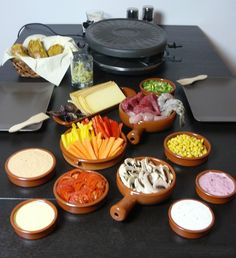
point(23, 69)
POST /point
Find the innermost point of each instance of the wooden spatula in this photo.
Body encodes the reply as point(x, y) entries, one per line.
point(188, 81)
point(32, 120)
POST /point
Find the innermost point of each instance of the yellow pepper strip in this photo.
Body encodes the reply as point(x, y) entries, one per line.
point(64, 141)
point(79, 132)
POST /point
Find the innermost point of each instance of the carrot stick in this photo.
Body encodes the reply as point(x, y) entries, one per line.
point(99, 140)
point(115, 151)
point(76, 151)
point(118, 142)
point(87, 144)
point(83, 149)
point(102, 148)
point(95, 146)
point(109, 145)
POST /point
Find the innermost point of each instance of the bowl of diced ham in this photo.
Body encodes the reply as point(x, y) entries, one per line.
point(150, 113)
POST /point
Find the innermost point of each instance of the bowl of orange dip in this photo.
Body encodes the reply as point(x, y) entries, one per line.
point(30, 167)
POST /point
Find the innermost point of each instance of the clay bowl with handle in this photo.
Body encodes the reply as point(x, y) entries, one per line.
point(134, 135)
point(121, 209)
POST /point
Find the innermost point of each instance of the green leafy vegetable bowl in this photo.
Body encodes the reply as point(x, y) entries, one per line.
point(157, 86)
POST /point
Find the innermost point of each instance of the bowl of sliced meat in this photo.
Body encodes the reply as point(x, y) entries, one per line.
point(149, 113)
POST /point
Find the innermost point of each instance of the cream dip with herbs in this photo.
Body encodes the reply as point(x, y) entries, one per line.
point(30, 163)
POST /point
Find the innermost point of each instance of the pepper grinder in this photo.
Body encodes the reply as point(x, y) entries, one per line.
point(148, 13)
point(132, 13)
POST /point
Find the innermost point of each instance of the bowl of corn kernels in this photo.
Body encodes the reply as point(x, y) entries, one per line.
point(187, 148)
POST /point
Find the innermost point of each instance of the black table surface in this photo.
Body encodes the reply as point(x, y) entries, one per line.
point(146, 232)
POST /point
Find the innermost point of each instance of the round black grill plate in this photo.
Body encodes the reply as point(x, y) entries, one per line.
point(126, 38)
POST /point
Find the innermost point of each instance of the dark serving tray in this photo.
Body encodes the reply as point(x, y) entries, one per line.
point(20, 100)
point(213, 99)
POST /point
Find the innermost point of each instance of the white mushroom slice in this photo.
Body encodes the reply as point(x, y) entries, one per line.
point(130, 182)
point(153, 177)
point(148, 168)
point(160, 184)
point(161, 171)
point(129, 162)
point(168, 174)
point(148, 188)
point(143, 165)
point(122, 170)
point(138, 186)
point(145, 176)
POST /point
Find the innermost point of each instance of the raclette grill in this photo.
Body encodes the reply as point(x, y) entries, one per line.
point(126, 46)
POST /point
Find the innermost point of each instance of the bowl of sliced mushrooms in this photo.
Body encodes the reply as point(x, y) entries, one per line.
point(143, 180)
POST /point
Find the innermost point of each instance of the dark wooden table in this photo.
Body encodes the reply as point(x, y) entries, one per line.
point(146, 232)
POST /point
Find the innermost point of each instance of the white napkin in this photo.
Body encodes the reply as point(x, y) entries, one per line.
point(52, 68)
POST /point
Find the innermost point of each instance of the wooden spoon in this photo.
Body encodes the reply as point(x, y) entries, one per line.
point(188, 81)
point(32, 120)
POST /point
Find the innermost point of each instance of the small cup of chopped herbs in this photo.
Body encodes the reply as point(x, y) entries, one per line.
point(157, 86)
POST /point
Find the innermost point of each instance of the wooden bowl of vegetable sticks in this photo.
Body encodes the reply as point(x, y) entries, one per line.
point(92, 150)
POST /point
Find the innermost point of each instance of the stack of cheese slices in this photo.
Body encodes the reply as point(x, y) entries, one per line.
point(97, 98)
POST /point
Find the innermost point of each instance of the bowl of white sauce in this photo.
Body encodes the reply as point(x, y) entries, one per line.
point(34, 218)
point(190, 218)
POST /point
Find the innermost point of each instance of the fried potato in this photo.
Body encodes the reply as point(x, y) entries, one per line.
point(18, 50)
point(55, 50)
point(36, 49)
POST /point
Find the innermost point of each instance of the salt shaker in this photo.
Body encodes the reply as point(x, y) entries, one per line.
point(132, 13)
point(148, 13)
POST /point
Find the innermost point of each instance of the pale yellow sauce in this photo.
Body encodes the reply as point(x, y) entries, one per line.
point(30, 163)
point(34, 215)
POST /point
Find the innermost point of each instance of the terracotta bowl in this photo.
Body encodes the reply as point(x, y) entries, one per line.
point(185, 232)
point(36, 234)
point(209, 196)
point(150, 126)
point(157, 79)
point(30, 181)
point(184, 161)
point(80, 208)
point(120, 210)
point(126, 90)
point(93, 164)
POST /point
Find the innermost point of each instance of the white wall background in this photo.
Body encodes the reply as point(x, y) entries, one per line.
point(215, 17)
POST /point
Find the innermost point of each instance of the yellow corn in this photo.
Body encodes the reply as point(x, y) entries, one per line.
point(187, 146)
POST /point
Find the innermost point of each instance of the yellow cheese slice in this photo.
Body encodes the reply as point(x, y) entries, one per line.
point(76, 102)
point(85, 106)
point(104, 98)
point(97, 98)
point(86, 91)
